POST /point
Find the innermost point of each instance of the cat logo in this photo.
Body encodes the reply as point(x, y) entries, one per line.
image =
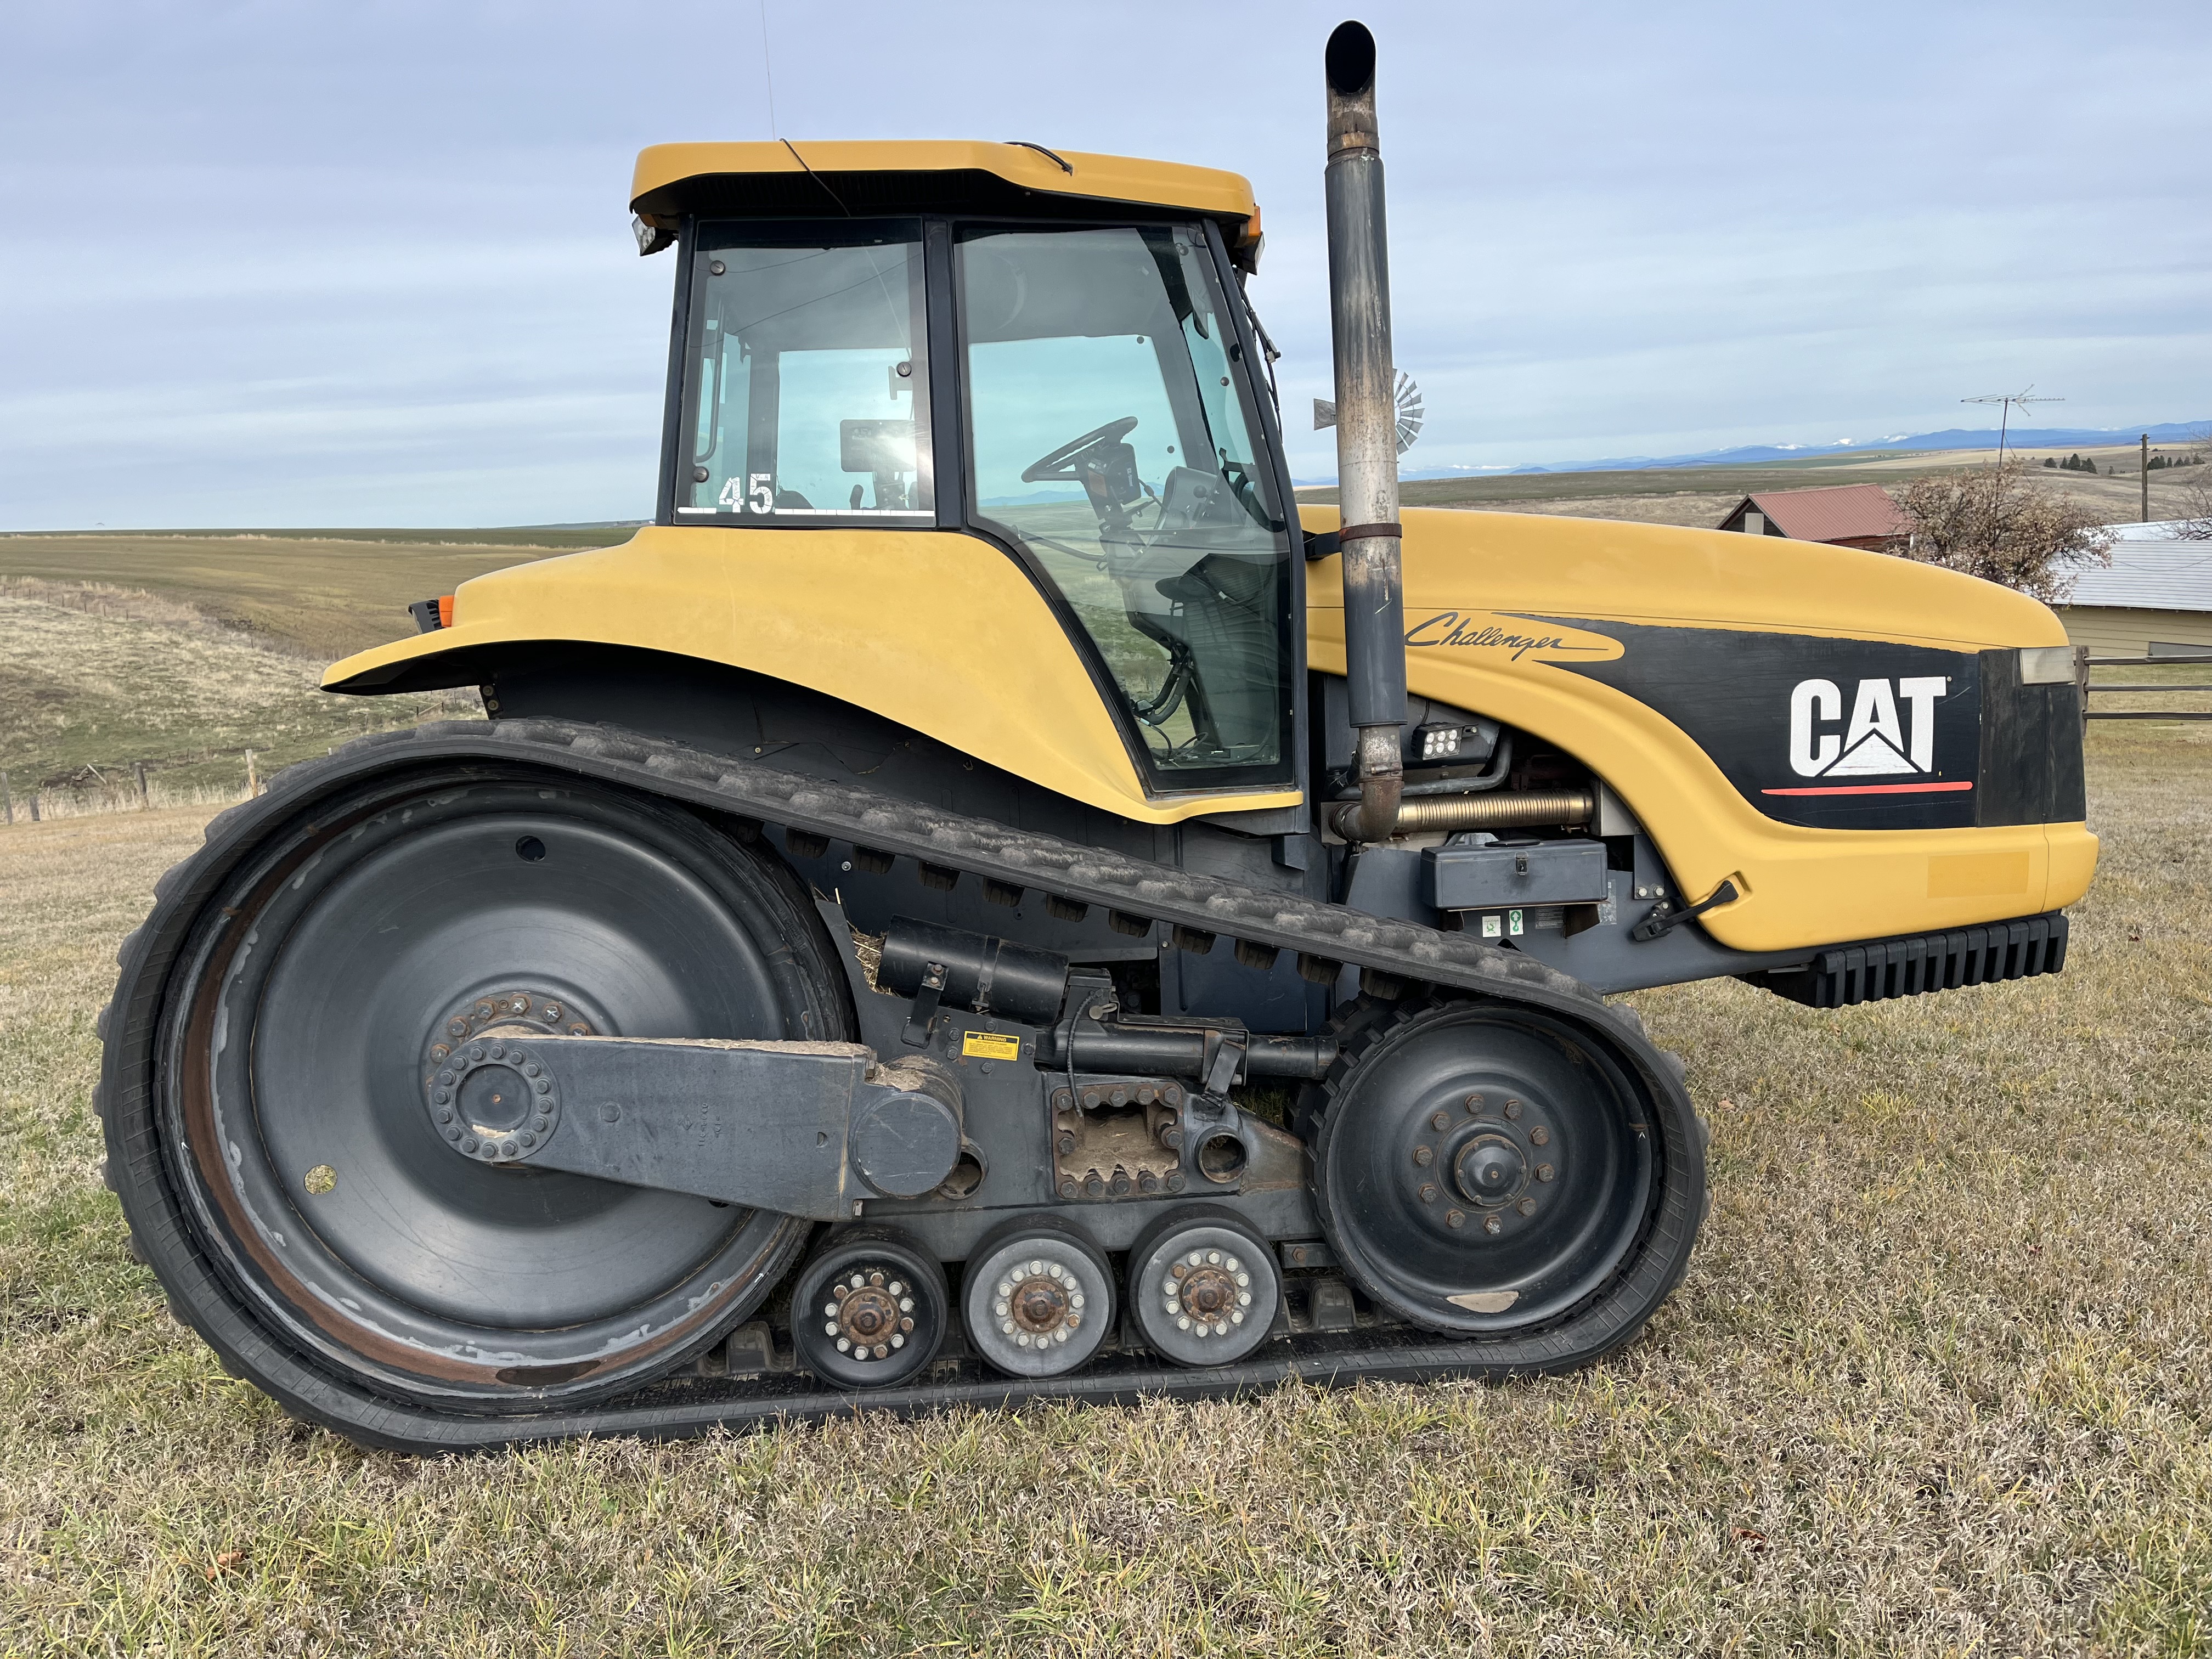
point(1877, 742)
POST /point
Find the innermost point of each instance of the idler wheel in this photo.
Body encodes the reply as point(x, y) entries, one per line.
point(1038, 1296)
point(1482, 1169)
point(869, 1310)
point(1203, 1286)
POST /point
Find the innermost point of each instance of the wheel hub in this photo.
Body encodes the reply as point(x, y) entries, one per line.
point(1490, 1170)
point(1040, 1302)
point(1207, 1292)
point(490, 1098)
point(870, 1315)
point(1496, 1153)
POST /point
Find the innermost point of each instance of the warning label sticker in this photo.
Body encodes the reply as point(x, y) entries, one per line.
point(990, 1045)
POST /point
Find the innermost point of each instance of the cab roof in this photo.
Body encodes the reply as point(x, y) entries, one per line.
point(782, 179)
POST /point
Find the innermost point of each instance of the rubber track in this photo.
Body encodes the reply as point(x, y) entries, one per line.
point(1088, 875)
point(1177, 898)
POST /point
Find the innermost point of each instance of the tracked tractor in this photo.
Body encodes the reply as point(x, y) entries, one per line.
point(988, 898)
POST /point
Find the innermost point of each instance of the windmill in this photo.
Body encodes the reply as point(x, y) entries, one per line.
point(1411, 413)
point(2011, 401)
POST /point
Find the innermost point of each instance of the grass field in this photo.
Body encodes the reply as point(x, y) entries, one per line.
point(1939, 1383)
point(321, 593)
point(95, 680)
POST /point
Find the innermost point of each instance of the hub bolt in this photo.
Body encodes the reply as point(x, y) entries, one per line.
point(1423, 1156)
point(1545, 1172)
point(1428, 1195)
point(458, 1028)
point(1527, 1206)
point(1473, 1104)
point(1455, 1217)
point(1491, 1224)
point(1512, 1109)
point(438, 1051)
point(1440, 1120)
point(1541, 1135)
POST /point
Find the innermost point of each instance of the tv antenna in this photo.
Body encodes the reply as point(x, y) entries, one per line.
point(2011, 400)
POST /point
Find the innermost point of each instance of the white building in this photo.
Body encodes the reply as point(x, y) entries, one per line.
point(2155, 600)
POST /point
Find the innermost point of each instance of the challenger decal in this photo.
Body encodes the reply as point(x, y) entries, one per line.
point(1508, 636)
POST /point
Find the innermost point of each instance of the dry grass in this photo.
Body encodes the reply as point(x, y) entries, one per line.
point(321, 595)
point(94, 679)
point(1937, 1384)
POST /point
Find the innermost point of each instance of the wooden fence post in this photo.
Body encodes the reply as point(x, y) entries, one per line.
point(253, 781)
point(145, 798)
point(7, 799)
point(34, 806)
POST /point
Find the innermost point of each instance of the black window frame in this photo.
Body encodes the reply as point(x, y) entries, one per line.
point(950, 441)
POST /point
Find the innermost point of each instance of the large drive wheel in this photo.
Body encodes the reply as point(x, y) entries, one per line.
point(285, 1166)
point(1488, 1171)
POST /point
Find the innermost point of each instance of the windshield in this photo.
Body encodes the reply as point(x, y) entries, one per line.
point(1109, 436)
point(807, 361)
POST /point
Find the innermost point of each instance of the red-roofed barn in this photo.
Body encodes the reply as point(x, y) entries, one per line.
point(1846, 515)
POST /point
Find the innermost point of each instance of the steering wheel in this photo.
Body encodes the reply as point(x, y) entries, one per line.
point(1055, 466)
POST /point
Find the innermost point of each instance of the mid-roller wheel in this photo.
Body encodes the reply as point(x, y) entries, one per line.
point(1203, 1286)
point(1493, 1171)
point(869, 1310)
point(1038, 1296)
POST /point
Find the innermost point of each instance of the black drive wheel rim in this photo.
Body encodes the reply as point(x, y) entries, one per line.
point(1038, 1297)
point(1203, 1286)
point(308, 1055)
point(1481, 1171)
point(869, 1308)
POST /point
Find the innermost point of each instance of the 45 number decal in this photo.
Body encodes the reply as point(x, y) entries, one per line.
point(756, 492)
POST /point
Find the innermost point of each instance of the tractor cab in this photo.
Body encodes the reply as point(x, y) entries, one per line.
point(1053, 353)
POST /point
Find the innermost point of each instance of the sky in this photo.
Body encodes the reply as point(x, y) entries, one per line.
point(370, 263)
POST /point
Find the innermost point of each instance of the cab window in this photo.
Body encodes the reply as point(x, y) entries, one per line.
point(807, 391)
point(1108, 438)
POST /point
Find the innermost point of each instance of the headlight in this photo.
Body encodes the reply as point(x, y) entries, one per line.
point(2046, 665)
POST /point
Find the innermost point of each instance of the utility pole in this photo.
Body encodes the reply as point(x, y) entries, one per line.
point(2010, 400)
point(2146, 477)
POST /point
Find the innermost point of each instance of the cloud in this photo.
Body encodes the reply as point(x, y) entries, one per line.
point(270, 264)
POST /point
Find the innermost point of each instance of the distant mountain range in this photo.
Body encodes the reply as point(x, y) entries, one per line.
point(2039, 437)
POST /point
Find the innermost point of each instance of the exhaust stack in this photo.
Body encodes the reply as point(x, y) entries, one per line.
point(1366, 428)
